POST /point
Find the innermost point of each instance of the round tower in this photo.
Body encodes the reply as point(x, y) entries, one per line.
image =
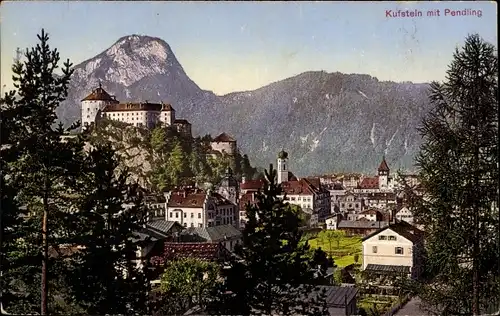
point(282, 166)
point(94, 104)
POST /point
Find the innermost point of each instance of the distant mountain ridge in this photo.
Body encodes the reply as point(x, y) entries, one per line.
point(326, 121)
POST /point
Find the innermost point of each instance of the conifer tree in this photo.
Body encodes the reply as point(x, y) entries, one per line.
point(109, 211)
point(458, 165)
point(275, 271)
point(42, 161)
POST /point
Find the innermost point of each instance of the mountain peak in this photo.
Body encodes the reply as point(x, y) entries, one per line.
point(130, 59)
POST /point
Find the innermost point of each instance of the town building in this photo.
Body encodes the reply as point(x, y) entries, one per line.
point(192, 207)
point(308, 193)
point(350, 205)
point(224, 144)
point(227, 235)
point(229, 187)
point(100, 104)
point(396, 248)
point(404, 214)
point(371, 215)
point(248, 198)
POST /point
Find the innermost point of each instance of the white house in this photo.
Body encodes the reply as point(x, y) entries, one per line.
point(395, 248)
point(404, 214)
point(197, 208)
point(350, 204)
point(332, 221)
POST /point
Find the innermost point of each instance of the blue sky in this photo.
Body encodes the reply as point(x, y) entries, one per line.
point(235, 46)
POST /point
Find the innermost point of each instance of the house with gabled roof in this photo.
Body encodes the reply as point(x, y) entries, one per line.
point(193, 207)
point(394, 249)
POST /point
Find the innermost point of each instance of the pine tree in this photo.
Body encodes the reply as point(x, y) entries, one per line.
point(276, 272)
point(109, 211)
point(459, 174)
point(42, 161)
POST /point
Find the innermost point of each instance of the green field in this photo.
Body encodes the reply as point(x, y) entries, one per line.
point(343, 253)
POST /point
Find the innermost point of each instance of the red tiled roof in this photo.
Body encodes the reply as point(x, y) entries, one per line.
point(224, 138)
point(219, 199)
point(369, 183)
point(99, 94)
point(300, 187)
point(182, 122)
point(383, 165)
point(187, 198)
point(315, 182)
point(122, 107)
point(252, 185)
point(194, 198)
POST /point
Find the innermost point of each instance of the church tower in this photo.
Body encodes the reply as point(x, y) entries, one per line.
point(383, 175)
point(282, 166)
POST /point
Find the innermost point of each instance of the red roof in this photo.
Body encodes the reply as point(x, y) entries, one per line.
point(224, 138)
point(300, 187)
point(99, 94)
point(315, 182)
point(369, 183)
point(187, 198)
point(383, 165)
point(194, 198)
point(253, 185)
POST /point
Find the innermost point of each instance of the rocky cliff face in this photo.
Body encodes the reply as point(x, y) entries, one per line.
point(326, 121)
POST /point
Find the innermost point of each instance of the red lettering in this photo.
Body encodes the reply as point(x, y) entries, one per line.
point(388, 13)
point(447, 11)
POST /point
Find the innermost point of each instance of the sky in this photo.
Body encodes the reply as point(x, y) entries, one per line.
point(235, 46)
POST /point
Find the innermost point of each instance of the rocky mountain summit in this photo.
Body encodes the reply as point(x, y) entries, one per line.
point(326, 121)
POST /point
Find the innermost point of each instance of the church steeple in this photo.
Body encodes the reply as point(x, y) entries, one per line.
point(282, 169)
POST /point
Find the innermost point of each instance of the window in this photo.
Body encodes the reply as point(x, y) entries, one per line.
point(185, 224)
point(199, 215)
point(392, 237)
point(192, 224)
point(171, 214)
point(176, 215)
point(398, 250)
point(382, 237)
point(284, 167)
point(200, 225)
point(192, 215)
point(374, 249)
point(185, 215)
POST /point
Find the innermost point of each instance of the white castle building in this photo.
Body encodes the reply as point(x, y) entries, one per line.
point(100, 104)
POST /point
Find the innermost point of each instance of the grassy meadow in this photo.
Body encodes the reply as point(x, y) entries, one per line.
point(342, 248)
